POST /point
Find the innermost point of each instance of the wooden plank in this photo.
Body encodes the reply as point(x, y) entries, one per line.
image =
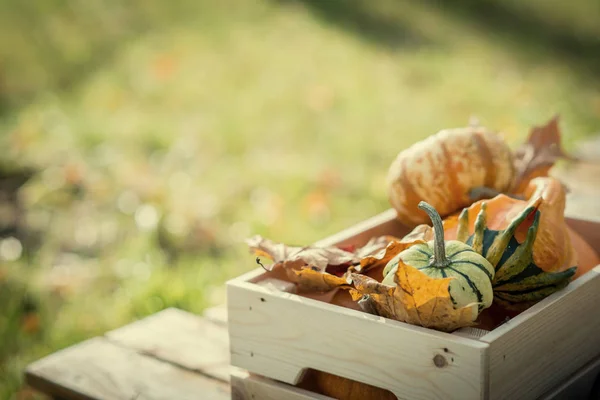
point(217, 314)
point(546, 343)
point(181, 338)
point(99, 369)
point(579, 385)
point(279, 335)
point(245, 386)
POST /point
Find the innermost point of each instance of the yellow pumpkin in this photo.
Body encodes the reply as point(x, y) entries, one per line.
point(445, 168)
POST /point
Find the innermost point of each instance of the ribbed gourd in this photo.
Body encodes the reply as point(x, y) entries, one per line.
point(445, 168)
point(437, 258)
point(528, 241)
point(517, 278)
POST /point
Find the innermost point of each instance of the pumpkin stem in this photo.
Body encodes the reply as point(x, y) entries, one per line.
point(439, 246)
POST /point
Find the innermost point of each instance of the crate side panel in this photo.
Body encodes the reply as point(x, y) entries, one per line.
point(580, 385)
point(279, 335)
point(245, 386)
point(540, 348)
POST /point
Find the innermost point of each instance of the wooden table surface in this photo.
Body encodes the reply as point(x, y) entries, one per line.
point(177, 355)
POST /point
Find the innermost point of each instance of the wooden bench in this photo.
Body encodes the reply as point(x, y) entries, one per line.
point(169, 355)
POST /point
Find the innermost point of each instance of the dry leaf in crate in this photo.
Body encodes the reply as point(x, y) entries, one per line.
point(375, 245)
point(313, 280)
point(314, 268)
point(538, 154)
point(417, 299)
point(420, 234)
point(296, 256)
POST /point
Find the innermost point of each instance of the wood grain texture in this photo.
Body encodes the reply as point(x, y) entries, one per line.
point(180, 338)
point(579, 385)
point(245, 386)
point(99, 369)
point(542, 346)
point(279, 335)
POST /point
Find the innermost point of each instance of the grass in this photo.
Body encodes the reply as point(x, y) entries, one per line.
point(142, 144)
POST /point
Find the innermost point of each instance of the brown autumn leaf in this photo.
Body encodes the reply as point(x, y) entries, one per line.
point(416, 299)
point(538, 154)
point(420, 234)
point(375, 245)
point(295, 257)
point(313, 280)
point(314, 269)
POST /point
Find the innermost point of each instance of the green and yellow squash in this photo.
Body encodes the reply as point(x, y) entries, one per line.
point(526, 240)
point(437, 258)
point(517, 278)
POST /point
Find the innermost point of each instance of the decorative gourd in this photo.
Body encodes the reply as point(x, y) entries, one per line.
point(442, 259)
point(518, 282)
point(528, 242)
point(556, 247)
point(445, 168)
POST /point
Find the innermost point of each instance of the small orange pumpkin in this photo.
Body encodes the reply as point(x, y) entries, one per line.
point(444, 168)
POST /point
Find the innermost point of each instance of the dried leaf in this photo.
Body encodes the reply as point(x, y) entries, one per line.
point(312, 280)
point(314, 256)
point(314, 269)
point(420, 234)
point(538, 155)
point(417, 299)
point(374, 245)
point(294, 256)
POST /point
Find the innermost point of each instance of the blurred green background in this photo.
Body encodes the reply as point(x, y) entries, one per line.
point(142, 141)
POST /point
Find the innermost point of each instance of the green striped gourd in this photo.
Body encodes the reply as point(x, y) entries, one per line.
point(472, 274)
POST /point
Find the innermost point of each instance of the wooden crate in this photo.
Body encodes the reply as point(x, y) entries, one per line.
point(281, 335)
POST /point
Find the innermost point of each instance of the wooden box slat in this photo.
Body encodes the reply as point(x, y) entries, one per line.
point(579, 386)
point(180, 338)
point(584, 384)
point(245, 386)
point(99, 369)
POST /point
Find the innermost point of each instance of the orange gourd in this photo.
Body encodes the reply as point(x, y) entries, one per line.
point(539, 254)
point(445, 168)
point(557, 246)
